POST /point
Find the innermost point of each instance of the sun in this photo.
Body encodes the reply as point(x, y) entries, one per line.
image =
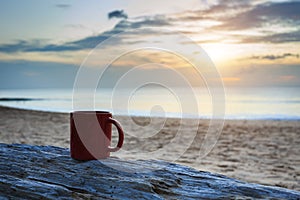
point(221, 53)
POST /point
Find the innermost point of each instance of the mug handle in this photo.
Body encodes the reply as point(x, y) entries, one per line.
point(121, 135)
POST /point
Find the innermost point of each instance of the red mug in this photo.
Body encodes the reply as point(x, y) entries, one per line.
point(91, 135)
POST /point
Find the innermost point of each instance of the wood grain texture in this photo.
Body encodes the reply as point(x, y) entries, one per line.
point(47, 172)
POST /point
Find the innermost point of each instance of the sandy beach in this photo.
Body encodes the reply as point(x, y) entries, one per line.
point(259, 151)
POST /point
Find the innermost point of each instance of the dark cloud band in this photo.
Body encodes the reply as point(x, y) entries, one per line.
point(117, 14)
point(275, 57)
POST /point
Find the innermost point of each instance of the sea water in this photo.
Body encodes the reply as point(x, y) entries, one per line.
point(281, 103)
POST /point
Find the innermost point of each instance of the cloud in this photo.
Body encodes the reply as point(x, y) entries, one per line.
point(36, 46)
point(20, 46)
point(230, 16)
point(221, 11)
point(271, 22)
point(292, 36)
point(63, 6)
point(117, 14)
point(262, 15)
point(268, 22)
point(275, 57)
point(85, 43)
point(75, 26)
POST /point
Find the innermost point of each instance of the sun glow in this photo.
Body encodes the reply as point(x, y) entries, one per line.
point(220, 53)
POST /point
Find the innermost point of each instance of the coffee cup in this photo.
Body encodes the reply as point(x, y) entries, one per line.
point(90, 135)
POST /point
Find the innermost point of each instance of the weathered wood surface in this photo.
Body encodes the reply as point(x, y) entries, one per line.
point(46, 172)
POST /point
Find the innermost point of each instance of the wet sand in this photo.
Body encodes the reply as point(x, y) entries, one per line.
point(259, 151)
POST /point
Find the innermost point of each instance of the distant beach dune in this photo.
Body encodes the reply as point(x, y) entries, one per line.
point(260, 151)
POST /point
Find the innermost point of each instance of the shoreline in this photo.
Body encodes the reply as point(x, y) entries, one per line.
point(296, 118)
point(259, 151)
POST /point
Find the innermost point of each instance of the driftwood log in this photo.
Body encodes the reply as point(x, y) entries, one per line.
point(47, 172)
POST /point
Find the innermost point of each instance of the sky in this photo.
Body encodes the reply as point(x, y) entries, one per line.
point(251, 43)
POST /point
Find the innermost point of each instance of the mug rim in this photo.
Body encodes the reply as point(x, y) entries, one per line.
point(90, 112)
